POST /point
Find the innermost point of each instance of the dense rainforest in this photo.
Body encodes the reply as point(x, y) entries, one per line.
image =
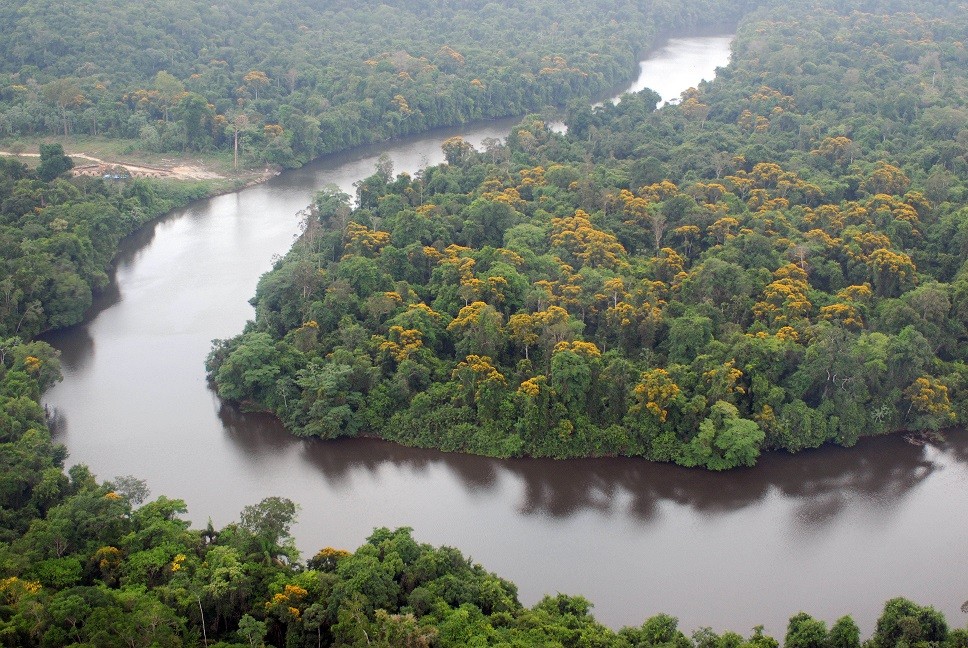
point(88, 563)
point(776, 262)
point(292, 81)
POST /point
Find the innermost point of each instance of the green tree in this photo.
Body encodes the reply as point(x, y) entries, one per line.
point(250, 368)
point(724, 440)
point(803, 631)
point(195, 116)
point(64, 94)
point(905, 623)
point(170, 91)
point(844, 633)
point(252, 630)
point(270, 522)
point(688, 337)
point(53, 162)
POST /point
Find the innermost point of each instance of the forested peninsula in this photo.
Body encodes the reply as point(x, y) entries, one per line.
point(775, 262)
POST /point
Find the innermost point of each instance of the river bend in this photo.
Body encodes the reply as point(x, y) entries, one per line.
point(830, 532)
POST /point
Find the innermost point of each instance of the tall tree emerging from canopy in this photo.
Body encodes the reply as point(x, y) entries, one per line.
point(64, 94)
point(170, 91)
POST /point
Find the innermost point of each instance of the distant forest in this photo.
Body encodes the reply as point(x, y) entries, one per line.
point(776, 262)
point(295, 80)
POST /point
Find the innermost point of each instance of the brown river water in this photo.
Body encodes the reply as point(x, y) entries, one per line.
point(832, 531)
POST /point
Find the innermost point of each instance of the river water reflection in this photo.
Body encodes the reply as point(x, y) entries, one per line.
point(830, 532)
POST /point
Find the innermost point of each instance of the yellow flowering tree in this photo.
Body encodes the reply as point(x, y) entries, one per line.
point(785, 300)
point(891, 271)
point(930, 403)
point(655, 393)
point(478, 380)
point(400, 343)
point(478, 329)
point(362, 241)
point(587, 244)
point(523, 331)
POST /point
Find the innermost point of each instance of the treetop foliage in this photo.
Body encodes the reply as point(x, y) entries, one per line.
point(300, 79)
point(775, 262)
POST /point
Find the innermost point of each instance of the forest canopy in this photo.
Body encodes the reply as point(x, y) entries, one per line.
point(299, 79)
point(775, 262)
point(98, 563)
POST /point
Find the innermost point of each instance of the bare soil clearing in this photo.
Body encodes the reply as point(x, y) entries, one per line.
point(97, 158)
point(99, 167)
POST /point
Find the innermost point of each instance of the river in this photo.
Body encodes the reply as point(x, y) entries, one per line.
point(830, 532)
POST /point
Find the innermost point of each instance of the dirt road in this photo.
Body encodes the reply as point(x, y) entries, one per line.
point(98, 167)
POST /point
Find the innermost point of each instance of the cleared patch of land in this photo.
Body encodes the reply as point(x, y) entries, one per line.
point(120, 158)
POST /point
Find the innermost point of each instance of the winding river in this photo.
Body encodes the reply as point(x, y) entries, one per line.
point(830, 532)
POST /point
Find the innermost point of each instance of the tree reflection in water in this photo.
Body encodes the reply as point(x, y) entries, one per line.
point(881, 471)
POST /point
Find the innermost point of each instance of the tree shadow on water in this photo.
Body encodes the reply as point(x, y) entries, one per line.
point(75, 344)
point(254, 433)
point(339, 458)
point(820, 483)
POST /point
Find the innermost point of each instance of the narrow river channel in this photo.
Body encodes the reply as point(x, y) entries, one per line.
point(830, 532)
